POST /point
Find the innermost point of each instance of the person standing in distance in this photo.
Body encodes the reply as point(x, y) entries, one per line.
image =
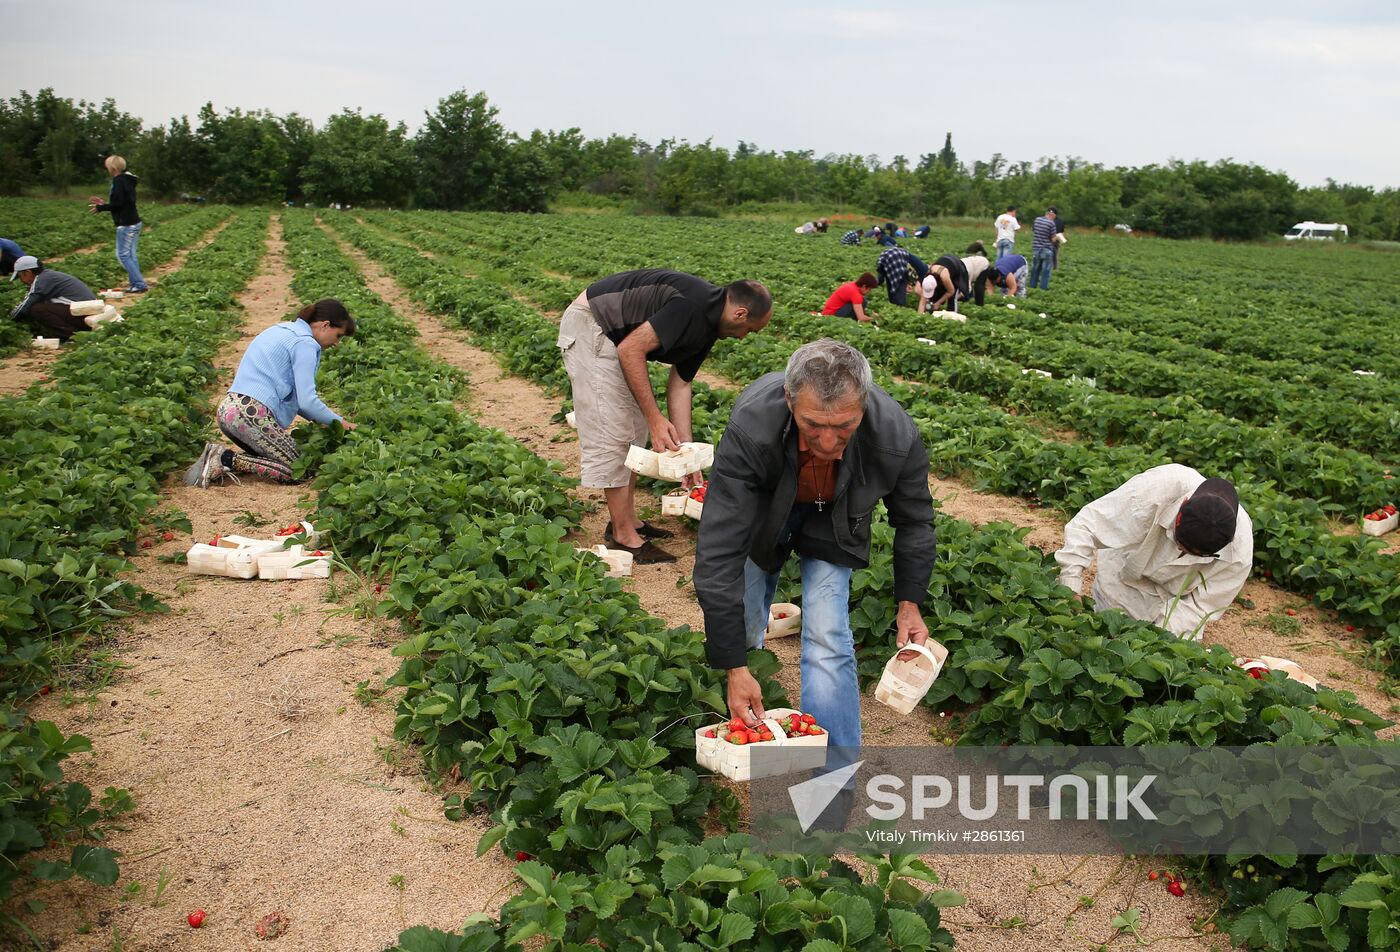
point(1007, 226)
point(1043, 249)
point(607, 335)
point(122, 204)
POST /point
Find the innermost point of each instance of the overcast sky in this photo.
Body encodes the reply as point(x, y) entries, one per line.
point(1309, 88)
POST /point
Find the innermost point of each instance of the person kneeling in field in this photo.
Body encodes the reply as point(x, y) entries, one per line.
point(46, 305)
point(1174, 548)
point(849, 299)
point(607, 335)
point(807, 456)
point(275, 382)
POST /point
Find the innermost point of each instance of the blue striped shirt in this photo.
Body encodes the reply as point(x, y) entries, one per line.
point(1043, 234)
point(279, 371)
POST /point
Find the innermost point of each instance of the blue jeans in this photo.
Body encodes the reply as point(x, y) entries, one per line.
point(1041, 267)
point(830, 689)
point(127, 238)
point(1004, 247)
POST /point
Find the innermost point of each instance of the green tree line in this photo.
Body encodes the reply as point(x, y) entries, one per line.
point(462, 158)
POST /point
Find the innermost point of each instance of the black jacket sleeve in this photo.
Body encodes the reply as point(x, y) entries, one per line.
point(733, 507)
point(910, 507)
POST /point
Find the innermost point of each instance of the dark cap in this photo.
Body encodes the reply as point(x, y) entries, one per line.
point(1206, 522)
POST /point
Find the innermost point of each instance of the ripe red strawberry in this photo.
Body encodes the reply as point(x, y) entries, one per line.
point(167, 536)
point(781, 615)
point(711, 733)
point(145, 543)
point(815, 731)
point(522, 856)
point(1290, 611)
point(45, 689)
point(737, 724)
point(739, 737)
point(1152, 875)
point(1256, 673)
point(196, 919)
point(1351, 627)
point(808, 719)
point(1176, 889)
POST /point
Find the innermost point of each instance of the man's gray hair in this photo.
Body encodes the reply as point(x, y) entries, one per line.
point(830, 368)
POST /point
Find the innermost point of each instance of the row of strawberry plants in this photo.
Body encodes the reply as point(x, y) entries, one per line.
point(537, 678)
point(51, 229)
point(99, 269)
point(1341, 479)
point(967, 433)
point(1315, 402)
point(82, 462)
point(1049, 673)
point(1236, 292)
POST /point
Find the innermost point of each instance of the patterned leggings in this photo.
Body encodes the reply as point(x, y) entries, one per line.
point(268, 450)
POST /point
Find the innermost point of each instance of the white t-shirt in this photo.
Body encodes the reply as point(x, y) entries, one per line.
point(975, 265)
point(1007, 226)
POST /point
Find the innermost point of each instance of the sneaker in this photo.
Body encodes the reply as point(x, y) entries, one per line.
point(193, 474)
point(214, 469)
point(646, 532)
point(648, 553)
point(135, 290)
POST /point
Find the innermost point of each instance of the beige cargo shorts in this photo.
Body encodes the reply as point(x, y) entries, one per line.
point(609, 420)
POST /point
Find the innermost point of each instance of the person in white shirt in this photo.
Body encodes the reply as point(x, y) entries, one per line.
point(1174, 548)
point(1007, 226)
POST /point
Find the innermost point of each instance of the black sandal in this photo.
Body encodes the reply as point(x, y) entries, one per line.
point(648, 553)
point(646, 532)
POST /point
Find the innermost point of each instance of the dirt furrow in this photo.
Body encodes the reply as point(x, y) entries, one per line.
point(252, 726)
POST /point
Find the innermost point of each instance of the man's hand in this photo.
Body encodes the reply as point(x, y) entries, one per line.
point(746, 697)
point(691, 480)
point(910, 627)
point(664, 435)
point(349, 424)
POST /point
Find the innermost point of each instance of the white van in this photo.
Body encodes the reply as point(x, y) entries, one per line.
point(1317, 231)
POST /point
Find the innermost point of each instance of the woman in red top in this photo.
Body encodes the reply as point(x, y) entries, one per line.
point(849, 299)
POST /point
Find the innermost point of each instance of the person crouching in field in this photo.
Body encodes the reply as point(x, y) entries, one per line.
point(951, 279)
point(1008, 274)
point(607, 336)
point(1174, 548)
point(50, 293)
point(849, 299)
point(275, 382)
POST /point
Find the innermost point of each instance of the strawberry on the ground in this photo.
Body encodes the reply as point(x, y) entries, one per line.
point(521, 856)
point(1290, 611)
point(1152, 875)
point(167, 536)
point(1175, 888)
point(196, 919)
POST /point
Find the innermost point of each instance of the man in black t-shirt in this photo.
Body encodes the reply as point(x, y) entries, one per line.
point(607, 335)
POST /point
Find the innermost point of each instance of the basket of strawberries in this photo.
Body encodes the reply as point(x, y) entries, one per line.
point(784, 741)
point(1383, 520)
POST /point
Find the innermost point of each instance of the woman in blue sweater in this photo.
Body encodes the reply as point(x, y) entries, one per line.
point(275, 382)
point(122, 204)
